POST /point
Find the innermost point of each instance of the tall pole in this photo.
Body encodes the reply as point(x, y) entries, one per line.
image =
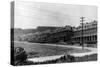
point(82, 43)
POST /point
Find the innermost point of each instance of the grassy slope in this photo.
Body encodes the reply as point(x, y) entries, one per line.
point(45, 50)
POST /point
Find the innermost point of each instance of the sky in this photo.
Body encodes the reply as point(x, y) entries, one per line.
point(33, 14)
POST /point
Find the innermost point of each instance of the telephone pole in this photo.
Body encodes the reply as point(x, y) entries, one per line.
point(82, 43)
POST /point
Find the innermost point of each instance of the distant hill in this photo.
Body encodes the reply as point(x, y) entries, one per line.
point(19, 31)
point(16, 33)
point(44, 28)
point(26, 31)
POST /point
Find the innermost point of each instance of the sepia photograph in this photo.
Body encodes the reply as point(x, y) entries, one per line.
point(53, 33)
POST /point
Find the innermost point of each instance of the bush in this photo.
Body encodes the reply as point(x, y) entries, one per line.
point(20, 55)
point(92, 57)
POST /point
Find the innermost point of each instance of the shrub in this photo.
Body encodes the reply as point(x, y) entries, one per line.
point(20, 55)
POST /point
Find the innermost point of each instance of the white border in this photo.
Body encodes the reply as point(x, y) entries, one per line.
point(5, 32)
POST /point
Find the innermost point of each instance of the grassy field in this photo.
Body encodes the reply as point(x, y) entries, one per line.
point(37, 50)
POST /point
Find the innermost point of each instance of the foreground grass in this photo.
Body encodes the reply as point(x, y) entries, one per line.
point(40, 50)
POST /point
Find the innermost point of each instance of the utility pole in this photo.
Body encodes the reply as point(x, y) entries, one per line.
point(82, 43)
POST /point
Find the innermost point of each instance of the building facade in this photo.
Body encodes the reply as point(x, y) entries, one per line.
point(89, 34)
point(54, 36)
